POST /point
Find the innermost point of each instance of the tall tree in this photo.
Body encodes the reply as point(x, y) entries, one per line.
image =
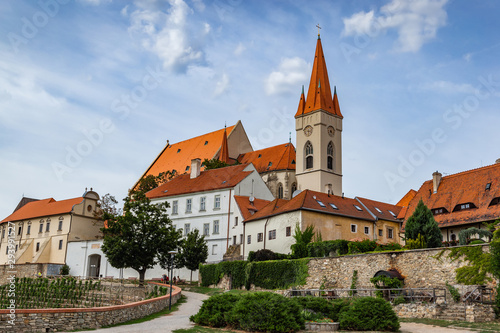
point(140, 236)
point(194, 251)
point(422, 222)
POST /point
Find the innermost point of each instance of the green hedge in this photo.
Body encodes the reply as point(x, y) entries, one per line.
point(362, 246)
point(323, 249)
point(276, 274)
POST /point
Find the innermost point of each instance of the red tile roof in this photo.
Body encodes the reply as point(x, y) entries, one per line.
point(248, 208)
point(461, 188)
point(310, 200)
point(178, 156)
point(385, 209)
point(41, 208)
point(404, 202)
point(281, 157)
point(208, 180)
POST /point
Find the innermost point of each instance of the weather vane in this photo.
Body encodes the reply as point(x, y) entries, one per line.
point(317, 26)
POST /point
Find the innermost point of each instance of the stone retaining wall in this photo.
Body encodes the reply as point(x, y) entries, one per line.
point(476, 313)
point(55, 320)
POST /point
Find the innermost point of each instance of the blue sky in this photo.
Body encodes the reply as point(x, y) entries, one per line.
point(91, 90)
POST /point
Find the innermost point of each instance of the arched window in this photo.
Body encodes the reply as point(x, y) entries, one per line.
point(329, 158)
point(280, 191)
point(294, 187)
point(309, 155)
point(453, 237)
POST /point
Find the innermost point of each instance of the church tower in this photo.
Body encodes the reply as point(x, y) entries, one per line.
point(318, 126)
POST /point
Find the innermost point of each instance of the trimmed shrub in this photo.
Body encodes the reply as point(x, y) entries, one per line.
point(266, 312)
point(388, 247)
point(265, 255)
point(369, 314)
point(278, 274)
point(339, 306)
point(214, 310)
point(362, 246)
point(317, 305)
point(211, 274)
point(323, 249)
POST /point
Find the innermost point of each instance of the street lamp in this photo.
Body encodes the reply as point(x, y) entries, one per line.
point(172, 255)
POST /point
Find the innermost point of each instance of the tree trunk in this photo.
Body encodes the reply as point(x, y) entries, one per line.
point(142, 273)
point(191, 278)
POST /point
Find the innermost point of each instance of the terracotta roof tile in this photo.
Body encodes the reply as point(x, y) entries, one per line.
point(41, 208)
point(281, 157)
point(405, 201)
point(312, 200)
point(208, 180)
point(461, 188)
point(385, 209)
point(178, 156)
point(248, 208)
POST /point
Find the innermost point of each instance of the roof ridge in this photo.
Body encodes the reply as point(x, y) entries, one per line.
point(470, 170)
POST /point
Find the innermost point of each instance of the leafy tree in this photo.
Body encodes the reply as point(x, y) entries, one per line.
point(422, 222)
point(150, 182)
point(107, 204)
point(137, 238)
point(464, 236)
point(213, 164)
point(194, 251)
point(302, 238)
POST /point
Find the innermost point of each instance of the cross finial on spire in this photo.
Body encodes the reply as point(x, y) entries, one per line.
point(290, 138)
point(317, 26)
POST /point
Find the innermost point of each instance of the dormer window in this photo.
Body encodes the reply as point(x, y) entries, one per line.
point(178, 150)
point(206, 143)
point(321, 203)
point(464, 206)
point(187, 168)
point(358, 208)
point(378, 210)
point(260, 155)
point(333, 206)
point(392, 213)
point(495, 201)
point(488, 187)
point(438, 211)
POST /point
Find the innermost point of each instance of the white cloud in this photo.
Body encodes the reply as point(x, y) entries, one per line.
point(415, 21)
point(221, 85)
point(291, 73)
point(447, 87)
point(95, 2)
point(239, 49)
point(166, 34)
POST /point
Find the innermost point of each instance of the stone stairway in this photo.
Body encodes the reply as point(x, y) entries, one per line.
point(452, 311)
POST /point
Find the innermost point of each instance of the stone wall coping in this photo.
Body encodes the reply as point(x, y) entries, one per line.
point(396, 252)
point(176, 290)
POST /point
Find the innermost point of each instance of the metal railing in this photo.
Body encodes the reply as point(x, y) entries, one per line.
point(430, 295)
point(480, 294)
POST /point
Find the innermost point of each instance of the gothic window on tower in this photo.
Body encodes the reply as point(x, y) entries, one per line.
point(309, 155)
point(329, 154)
point(294, 187)
point(280, 191)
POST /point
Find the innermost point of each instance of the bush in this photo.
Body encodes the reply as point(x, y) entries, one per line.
point(317, 305)
point(369, 314)
point(323, 249)
point(455, 294)
point(277, 274)
point(211, 274)
point(388, 247)
point(64, 270)
point(266, 312)
point(265, 255)
point(214, 310)
point(362, 246)
point(339, 306)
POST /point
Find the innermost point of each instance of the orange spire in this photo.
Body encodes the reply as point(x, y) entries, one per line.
point(319, 95)
point(302, 104)
point(224, 150)
point(336, 106)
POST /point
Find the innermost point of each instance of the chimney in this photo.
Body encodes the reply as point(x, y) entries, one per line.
point(497, 161)
point(436, 179)
point(195, 167)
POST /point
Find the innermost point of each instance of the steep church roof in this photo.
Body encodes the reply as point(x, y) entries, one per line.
point(319, 94)
point(281, 157)
point(224, 150)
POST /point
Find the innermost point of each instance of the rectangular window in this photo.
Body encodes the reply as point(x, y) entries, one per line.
point(47, 227)
point(16, 248)
point(214, 249)
point(260, 237)
point(217, 202)
point(236, 220)
point(175, 207)
point(28, 230)
point(234, 240)
point(288, 231)
point(206, 229)
point(216, 227)
point(187, 228)
point(20, 230)
point(241, 238)
point(41, 228)
point(202, 203)
point(272, 234)
point(389, 233)
point(367, 230)
point(37, 246)
point(249, 239)
point(3, 233)
point(354, 228)
point(188, 205)
point(59, 227)
point(60, 244)
point(380, 233)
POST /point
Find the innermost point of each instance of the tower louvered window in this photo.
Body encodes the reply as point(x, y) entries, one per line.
point(329, 154)
point(309, 155)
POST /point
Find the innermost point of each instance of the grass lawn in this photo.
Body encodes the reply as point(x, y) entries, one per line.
point(493, 326)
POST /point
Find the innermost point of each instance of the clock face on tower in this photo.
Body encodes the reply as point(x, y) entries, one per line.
point(308, 130)
point(331, 131)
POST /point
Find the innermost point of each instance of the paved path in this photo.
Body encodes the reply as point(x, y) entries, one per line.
point(165, 324)
point(421, 328)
